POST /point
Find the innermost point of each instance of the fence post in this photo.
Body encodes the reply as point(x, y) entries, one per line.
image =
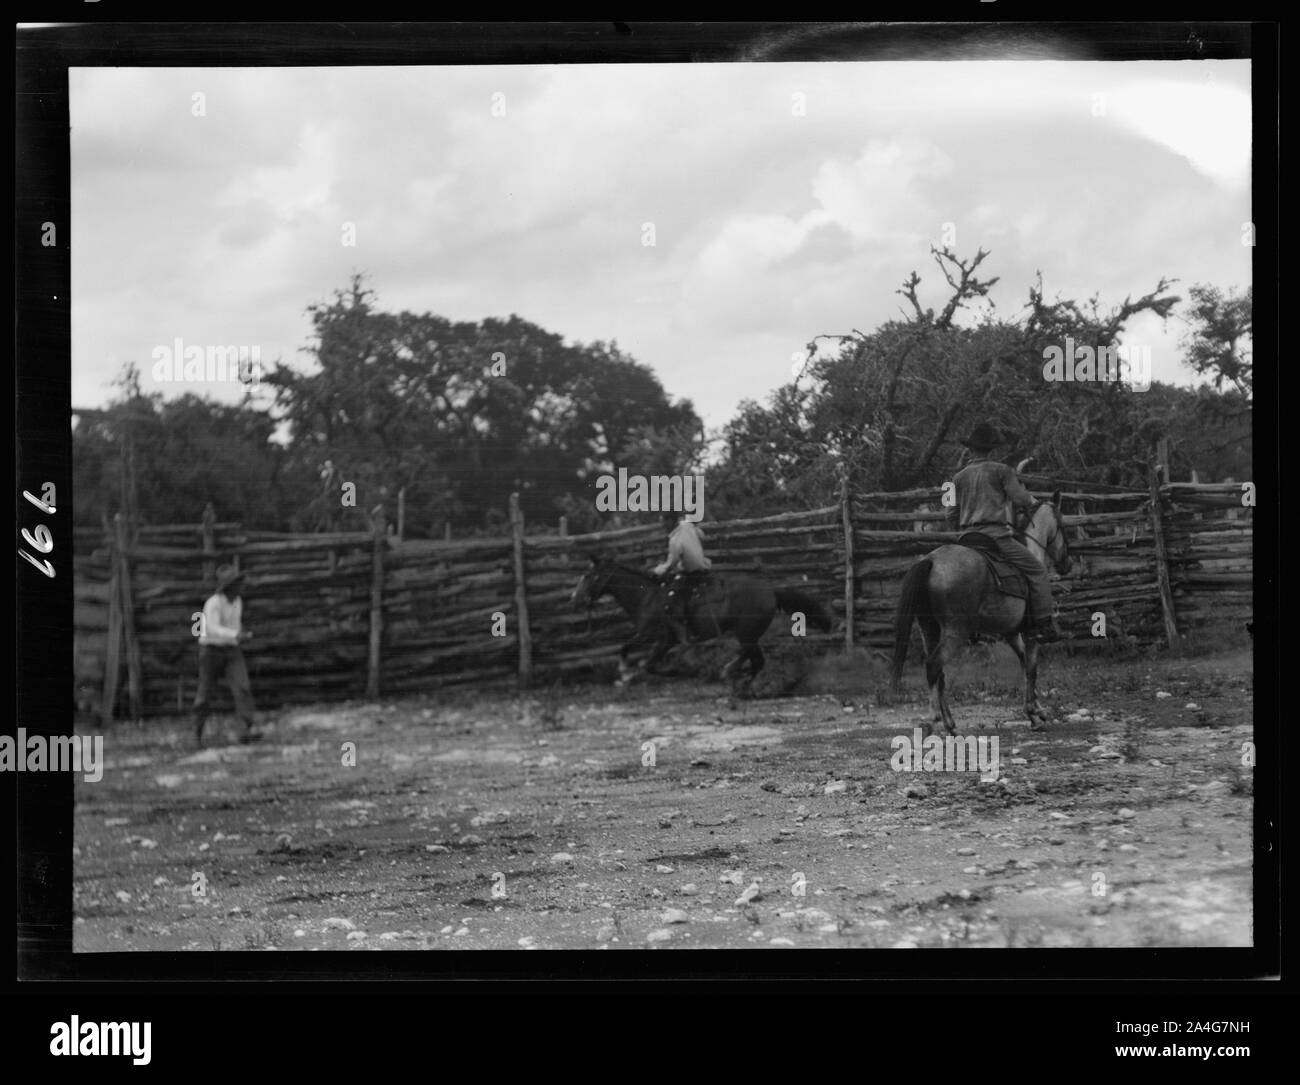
point(209, 543)
point(1162, 562)
point(376, 604)
point(134, 676)
point(113, 649)
point(521, 594)
point(401, 514)
point(846, 516)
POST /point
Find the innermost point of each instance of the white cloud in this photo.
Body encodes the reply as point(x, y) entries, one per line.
point(1205, 122)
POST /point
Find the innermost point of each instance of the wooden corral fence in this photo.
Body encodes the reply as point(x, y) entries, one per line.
point(338, 616)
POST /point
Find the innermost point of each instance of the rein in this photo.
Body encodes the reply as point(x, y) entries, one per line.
point(1022, 535)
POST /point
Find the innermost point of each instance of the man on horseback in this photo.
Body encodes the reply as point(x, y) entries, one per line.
point(986, 491)
point(685, 558)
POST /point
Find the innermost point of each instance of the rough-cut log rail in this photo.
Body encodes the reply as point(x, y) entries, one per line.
point(311, 598)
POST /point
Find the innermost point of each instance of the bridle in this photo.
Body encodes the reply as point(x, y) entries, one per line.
point(1022, 530)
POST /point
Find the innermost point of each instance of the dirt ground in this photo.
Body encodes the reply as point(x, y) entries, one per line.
point(497, 821)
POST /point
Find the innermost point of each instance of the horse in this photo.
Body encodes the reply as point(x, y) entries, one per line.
point(952, 595)
point(733, 604)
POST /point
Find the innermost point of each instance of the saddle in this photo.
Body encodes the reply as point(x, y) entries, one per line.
point(1007, 579)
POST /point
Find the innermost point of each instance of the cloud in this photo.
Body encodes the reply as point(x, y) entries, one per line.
point(1206, 123)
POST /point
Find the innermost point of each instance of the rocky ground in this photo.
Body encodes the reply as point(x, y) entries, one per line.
point(669, 815)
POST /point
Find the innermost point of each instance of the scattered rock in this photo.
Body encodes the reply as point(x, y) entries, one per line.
point(663, 934)
point(1161, 695)
point(835, 787)
point(357, 936)
point(916, 791)
point(674, 915)
point(340, 925)
point(751, 894)
point(562, 857)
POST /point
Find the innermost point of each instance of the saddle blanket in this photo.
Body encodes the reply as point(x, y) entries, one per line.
point(1006, 577)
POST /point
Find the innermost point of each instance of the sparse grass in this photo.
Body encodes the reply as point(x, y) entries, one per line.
point(1242, 783)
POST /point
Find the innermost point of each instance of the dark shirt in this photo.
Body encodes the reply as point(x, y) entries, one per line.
point(986, 492)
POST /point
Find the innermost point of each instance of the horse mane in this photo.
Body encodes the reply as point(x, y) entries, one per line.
point(622, 566)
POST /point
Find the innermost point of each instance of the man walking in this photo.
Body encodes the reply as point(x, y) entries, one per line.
point(987, 491)
point(686, 558)
point(220, 635)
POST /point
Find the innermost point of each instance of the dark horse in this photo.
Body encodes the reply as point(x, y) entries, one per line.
point(951, 593)
point(733, 604)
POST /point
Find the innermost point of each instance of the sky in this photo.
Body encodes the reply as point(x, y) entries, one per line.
point(787, 200)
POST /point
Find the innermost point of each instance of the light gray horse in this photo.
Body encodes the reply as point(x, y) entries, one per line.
point(952, 595)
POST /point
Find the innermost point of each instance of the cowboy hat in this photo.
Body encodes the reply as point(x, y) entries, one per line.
point(228, 577)
point(983, 438)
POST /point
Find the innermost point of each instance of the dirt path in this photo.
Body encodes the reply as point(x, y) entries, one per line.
point(482, 823)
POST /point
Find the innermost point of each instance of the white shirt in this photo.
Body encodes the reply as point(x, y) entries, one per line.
point(221, 621)
point(685, 550)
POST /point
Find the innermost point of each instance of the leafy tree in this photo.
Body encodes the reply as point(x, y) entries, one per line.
point(162, 461)
point(460, 414)
point(892, 405)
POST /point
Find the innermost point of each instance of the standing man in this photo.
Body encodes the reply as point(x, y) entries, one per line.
point(219, 654)
point(987, 491)
point(686, 558)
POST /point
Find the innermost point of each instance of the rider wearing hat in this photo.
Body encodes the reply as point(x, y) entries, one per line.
point(986, 492)
point(686, 558)
point(219, 652)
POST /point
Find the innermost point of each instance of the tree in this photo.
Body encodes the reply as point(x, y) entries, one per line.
point(1220, 342)
point(460, 414)
point(892, 405)
point(162, 461)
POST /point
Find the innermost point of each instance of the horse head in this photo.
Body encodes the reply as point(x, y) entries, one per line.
point(1048, 531)
point(594, 582)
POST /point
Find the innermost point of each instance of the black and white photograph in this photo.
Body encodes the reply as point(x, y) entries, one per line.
point(755, 505)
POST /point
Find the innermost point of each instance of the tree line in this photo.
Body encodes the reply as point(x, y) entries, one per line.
point(457, 415)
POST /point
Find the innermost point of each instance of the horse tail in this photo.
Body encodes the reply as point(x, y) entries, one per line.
point(790, 600)
point(913, 603)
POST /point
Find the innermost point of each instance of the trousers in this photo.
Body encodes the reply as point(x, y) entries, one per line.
point(216, 660)
point(1040, 588)
point(680, 590)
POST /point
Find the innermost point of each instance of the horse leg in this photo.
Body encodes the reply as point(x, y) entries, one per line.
point(946, 646)
point(1035, 711)
point(931, 637)
point(666, 640)
point(626, 672)
point(1023, 647)
point(950, 646)
point(753, 654)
